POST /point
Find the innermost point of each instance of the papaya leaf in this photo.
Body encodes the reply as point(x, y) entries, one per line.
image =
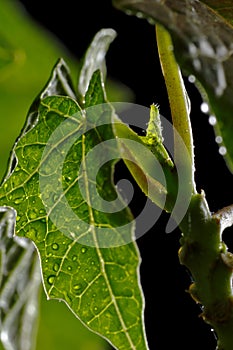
point(88, 256)
point(201, 49)
point(95, 57)
point(20, 282)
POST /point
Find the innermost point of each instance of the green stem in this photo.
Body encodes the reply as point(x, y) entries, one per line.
point(177, 95)
point(205, 255)
point(202, 250)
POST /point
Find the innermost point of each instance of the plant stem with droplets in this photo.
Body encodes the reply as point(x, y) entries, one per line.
point(202, 250)
point(178, 98)
point(210, 264)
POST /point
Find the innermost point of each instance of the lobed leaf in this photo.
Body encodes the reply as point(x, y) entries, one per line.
point(88, 256)
point(202, 41)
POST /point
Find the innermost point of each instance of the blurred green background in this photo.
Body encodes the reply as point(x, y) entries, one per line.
point(28, 53)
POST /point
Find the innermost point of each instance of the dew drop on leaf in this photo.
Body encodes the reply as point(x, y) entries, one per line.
point(55, 246)
point(77, 287)
point(74, 257)
point(55, 267)
point(18, 200)
point(83, 250)
point(51, 279)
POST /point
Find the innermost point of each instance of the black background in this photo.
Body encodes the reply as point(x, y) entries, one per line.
point(171, 316)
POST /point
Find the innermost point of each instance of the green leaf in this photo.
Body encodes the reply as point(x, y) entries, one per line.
point(95, 57)
point(88, 256)
point(201, 49)
point(223, 7)
point(20, 282)
point(24, 70)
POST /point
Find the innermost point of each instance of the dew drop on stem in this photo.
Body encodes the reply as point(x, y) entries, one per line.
point(212, 120)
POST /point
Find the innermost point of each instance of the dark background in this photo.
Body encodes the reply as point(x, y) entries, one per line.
point(171, 316)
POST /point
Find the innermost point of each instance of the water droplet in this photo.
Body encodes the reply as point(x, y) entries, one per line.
point(55, 246)
point(191, 78)
point(51, 279)
point(83, 250)
point(129, 12)
point(204, 107)
point(5, 186)
point(69, 268)
point(77, 286)
point(74, 257)
point(95, 308)
point(55, 267)
point(19, 200)
point(139, 15)
point(151, 21)
point(222, 150)
point(212, 120)
point(218, 139)
point(92, 263)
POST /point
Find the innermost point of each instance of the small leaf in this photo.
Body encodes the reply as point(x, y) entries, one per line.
point(95, 58)
point(203, 47)
point(154, 128)
point(88, 256)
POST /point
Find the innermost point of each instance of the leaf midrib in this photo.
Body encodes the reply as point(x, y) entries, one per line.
point(99, 253)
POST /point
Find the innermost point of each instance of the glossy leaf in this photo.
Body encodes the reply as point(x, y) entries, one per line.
point(99, 284)
point(203, 47)
point(95, 57)
point(20, 282)
point(24, 69)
